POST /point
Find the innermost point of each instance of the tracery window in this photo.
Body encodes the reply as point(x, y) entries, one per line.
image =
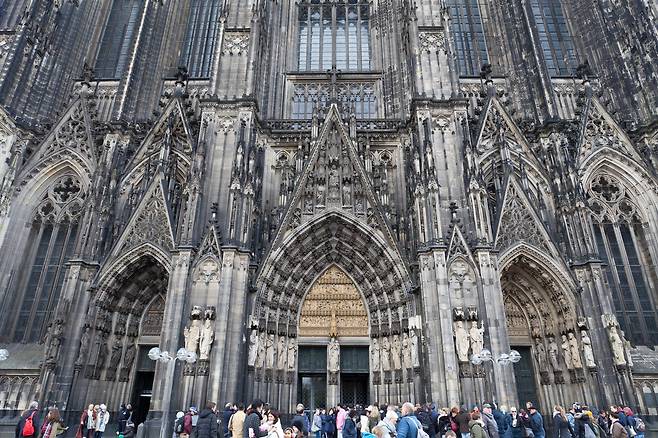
point(334, 34)
point(468, 34)
point(554, 37)
point(201, 37)
point(358, 97)
point(118, 38)
point(622, 245)
point(52, 238)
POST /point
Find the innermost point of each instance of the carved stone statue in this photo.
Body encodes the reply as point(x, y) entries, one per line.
point(414, 348)
point(207, 338)
point(260, 357)
point(193, 332)
point(540, 355)
point(617, 346)
point(406, 351)
point(576, 360)
point(476, 334)
point(461, 342)
point(269, 351)
point(84, 347)
point(333, 327)
point(53, 340)
point(253, 348)
point(374, 354)
point(588, 353)
point(333, 363)
point(281, 353)
point(396, 353)
point(292, 353)
point(566, 352)
point(386, 354)
point(627, 349)
point(128, 361)
point(553, 354)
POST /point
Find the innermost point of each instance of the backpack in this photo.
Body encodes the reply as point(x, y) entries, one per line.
point(28, 427)
point(639, 425)
point(180, 423)
point(421, 432)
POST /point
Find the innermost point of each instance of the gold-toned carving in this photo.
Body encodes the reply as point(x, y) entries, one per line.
point(333, 306)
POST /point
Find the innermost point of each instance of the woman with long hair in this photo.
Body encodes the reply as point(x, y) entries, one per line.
point(52, 426)
point(561, 426)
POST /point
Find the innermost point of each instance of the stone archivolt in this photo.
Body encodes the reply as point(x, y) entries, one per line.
point(333, 299)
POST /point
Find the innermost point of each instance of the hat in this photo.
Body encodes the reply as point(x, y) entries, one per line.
point(103, 407)
point(193, 409)
point(486, 405)
point(531, 406)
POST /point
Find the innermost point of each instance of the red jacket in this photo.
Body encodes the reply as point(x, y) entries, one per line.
point(187, 424)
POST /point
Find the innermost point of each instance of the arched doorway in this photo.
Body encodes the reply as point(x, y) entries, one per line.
point(334, 314)
point(542, 325)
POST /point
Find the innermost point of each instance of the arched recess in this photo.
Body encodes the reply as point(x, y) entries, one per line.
point(38, 238)
point(624, 220)
point(333, 238)
point(124, 315)
point(541, 316)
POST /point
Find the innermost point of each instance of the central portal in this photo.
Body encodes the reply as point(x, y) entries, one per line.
point(333, 343)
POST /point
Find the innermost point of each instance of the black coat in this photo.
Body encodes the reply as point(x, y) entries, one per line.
point(206, 427)
point(253, 422)
point(35, 422)
point(561, 427)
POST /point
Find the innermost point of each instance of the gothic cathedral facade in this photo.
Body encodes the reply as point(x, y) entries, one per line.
point(328, 200)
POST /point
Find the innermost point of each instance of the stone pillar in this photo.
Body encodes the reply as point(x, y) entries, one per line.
point(164, 384)
point(492, 312)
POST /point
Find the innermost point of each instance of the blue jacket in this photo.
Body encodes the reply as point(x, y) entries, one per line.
point(408, 427)
point(537, 425)
point(349, 428)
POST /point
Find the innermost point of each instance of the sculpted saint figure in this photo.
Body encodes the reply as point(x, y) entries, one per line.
point(334, 356)
point(193, 332)
point(461, 342)
point(269, 351)
point(386, 354)
point(553, 353)
point(281, 353)
point(588, 354)
point(396, 352)
point(262, 340)
point(477, 337)
point(253, 348)
point(540, 355)
point(575, 351)
point(414, 348)
point(617, 346)
point(207, 338)
point(406, 351)
point(566, 352)
point(374, 354)
point(292, 353)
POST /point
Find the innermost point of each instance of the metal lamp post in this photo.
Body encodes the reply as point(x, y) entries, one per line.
point(504, 359)
point(182, 355)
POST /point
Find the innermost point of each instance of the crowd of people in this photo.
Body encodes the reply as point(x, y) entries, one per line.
point(259, 420)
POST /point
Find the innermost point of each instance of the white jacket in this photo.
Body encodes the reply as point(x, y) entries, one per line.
point(101, 420)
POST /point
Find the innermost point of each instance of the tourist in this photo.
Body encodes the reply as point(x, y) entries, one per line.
point(125, 412)
point(340, 420)
point(603, 421)
point(349, 428)
point(102, 420)
point(86, 421)
point(373, 417)
point(52, 425)
point(630, 421)
point(450, 434)
point(617, 430)
point(274, 425)
point(316, 427)
point(388, 424)
point(329, 424)
point(179, 424)
point(475, 426)
point(364, 421)
point(462, 419)
point(536, 422)
point(561, 426)
point(379, 432)
point(423, 413)
point(227, 413)
point(236, 423)
point(305, 427)
point(288, 433)
point(187, 422)
point(502, 419)
point(408, 424)
point(253, 421)
point(490, 425)
point(444, 423)
point(517, 426)
point(206, 426)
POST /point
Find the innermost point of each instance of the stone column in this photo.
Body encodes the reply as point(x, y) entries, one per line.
point(165, 389)
point(493, 314)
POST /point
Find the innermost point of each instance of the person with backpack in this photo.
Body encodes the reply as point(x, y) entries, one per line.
point(28, 426)
point(617, 430)
point(475, 426)
point(408, 425)
point(443, 423)
point(179, 424)
point(349, 428)
point(490, 424)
